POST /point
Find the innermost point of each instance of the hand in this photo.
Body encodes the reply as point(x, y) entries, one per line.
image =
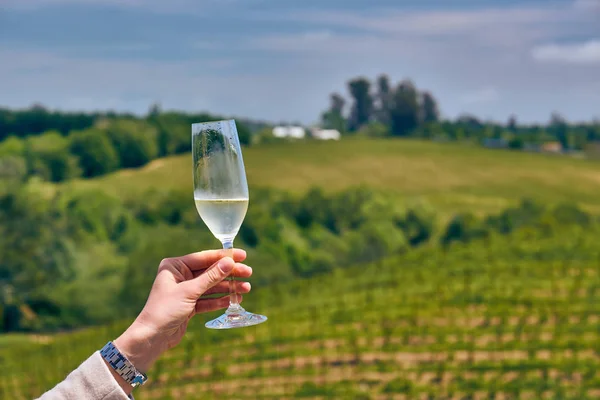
point(178, 293)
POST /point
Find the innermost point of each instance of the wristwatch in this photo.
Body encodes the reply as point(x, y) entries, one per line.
point(122, 365)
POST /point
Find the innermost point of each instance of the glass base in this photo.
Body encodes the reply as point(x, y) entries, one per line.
point(235, 317)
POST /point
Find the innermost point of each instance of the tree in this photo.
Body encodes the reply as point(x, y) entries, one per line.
point(464, 227)
point(97, 155)
point(173, 135)
point(135, 142)
point(384, 100)
point(559, 128)
point(38, 119)
point(47, 156)
point(429, 108)
point(405, 110)
point(36, 251)
point(244, 134)
point(12, 146)
point(511, 125)
point(362, 106)
point(333, 118)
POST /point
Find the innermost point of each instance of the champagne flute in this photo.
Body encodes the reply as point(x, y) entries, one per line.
point(221, 197)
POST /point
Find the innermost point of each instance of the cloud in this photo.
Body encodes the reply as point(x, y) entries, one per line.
point(575, 53)
point(422, 22)
point(512, 28)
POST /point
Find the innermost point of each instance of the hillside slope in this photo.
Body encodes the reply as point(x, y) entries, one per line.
point(513, 318)
point(450, 176)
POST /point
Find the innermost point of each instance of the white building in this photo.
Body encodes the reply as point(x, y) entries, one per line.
point(295, 132)
point(326, 134)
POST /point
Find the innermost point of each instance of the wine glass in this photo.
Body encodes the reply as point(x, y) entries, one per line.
point(221, 197)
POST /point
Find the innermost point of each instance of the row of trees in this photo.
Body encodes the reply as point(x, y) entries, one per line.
point(399, 109)
point(385, 109)
point(109, 144)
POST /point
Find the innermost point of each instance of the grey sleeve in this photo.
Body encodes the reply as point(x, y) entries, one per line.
point(90, 381)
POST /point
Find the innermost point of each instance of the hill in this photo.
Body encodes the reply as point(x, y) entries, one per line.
point(513, 318)
point(512, 314)
point(451, 176)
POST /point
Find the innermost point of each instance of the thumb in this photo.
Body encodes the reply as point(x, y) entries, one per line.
point(213, 275)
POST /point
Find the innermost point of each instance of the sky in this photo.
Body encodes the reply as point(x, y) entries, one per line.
point(279, 60)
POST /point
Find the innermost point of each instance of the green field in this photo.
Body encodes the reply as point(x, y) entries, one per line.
point(451, 176)
point(512, 319)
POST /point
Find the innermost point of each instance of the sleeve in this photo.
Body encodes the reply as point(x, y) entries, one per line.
point(90, 381)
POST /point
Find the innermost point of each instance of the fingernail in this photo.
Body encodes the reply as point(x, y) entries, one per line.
point(226, 265)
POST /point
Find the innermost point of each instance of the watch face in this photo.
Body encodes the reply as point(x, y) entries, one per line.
point(138, 380)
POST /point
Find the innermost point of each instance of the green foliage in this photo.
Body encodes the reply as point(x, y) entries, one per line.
point(12, 146)
point(96, 153)
point(37, 119)
point(12, 168)
point(49, 158)
point(99, 215)
point(173, 133)
point(405, 111)
point(398, 385)
point(404, 115)
point(418, 224)
point(97, 143)
point(135, 141)
point(516, 143)
point(37, 251)
point(334, 117)
point(374, 129)
point(244, 134)
point(463, 228)
point(362, 105)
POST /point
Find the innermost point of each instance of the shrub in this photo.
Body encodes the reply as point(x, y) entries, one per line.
point(96, 153)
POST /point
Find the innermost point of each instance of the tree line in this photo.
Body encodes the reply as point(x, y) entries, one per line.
point(385, 109)
point(56, 146)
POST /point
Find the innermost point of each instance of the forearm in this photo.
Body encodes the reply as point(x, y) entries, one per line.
point(142, 347)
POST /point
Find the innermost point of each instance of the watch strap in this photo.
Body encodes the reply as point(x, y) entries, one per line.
point(122, 366)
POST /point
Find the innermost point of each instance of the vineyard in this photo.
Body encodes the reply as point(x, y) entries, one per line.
point(515, 317)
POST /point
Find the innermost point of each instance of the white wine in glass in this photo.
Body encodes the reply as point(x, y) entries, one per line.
point(221, 196)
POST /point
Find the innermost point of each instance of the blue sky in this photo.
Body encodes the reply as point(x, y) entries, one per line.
point(280, 59)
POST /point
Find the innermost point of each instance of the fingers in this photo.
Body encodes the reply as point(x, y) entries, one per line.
point(239, 271)
point(204, 259)
point(223, 288)
point(208, 305)
point(196, 287)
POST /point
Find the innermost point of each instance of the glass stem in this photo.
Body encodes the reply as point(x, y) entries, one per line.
point(234, 302)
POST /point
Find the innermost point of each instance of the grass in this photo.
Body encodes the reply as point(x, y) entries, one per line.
point(472, 322)
point(448, 175)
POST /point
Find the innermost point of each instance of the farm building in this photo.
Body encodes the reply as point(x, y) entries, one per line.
point(294, 132)
point(326, 134)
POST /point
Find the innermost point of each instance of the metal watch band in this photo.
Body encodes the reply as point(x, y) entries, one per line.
point(122, 365)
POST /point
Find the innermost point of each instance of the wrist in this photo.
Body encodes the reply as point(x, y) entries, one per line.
point(141, 345)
